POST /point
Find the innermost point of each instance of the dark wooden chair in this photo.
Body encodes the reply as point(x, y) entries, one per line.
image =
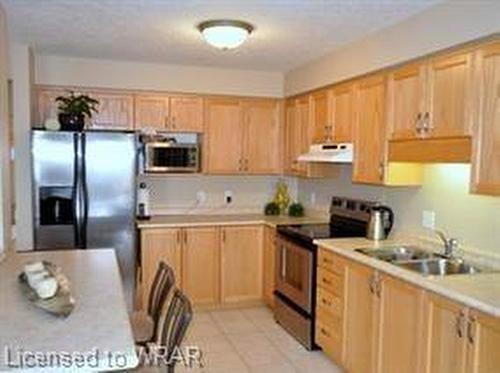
point(145, 324)
point(176, 322)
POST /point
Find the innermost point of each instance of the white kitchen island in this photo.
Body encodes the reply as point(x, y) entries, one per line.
point(96, 336)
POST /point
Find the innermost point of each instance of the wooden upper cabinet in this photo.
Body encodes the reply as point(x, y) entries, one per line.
point(224, 136)
point(200, 265)
point(186, 114)
point(116, 111)
point(483, 338)
point(151, 111)
point(402, 323)
point(450, 96)
point(361, 320)
point(241, 272)
point(446, 342)
point(369, 137)
point(169, 113)
point(296, 134)
point(406, 102)
point(320, 106)
point(486, 148)
point(262, 140)
point(341, 112)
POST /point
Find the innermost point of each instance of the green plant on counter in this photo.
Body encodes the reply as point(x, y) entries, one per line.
point(272, 208)
point(296, 210)
point(282, 197)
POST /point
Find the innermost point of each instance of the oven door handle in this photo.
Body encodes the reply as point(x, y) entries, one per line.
point(283, 261)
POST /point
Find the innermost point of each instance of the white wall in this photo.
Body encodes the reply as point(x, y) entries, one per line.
point(178, 194)
point(473, 219)
point(21, 62)
point(442, 26)
point(4, 146)
point(138, 75)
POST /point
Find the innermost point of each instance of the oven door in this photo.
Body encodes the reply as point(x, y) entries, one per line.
point(294, 273)
point(167, 157)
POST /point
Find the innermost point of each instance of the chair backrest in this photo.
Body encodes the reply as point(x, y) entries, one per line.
point(177, 319)
point(162, 284)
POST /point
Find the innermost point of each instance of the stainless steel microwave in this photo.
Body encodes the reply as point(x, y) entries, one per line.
point(171, 157)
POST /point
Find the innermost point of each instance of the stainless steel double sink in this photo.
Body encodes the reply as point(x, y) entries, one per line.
point(422, 261)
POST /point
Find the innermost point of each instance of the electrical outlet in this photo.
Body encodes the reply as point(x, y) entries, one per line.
point(228, 197)
point(429, 219)
point(201, 197)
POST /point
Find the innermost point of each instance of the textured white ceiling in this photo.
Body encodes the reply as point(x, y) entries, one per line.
point(288, 33)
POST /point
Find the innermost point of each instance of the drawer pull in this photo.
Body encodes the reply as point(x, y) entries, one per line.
point(326, 302)
point(325, 281)
point(325, 332)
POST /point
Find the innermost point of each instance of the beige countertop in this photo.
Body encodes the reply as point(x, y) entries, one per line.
point(98, 326)
point(175, 221)
point(480, 291)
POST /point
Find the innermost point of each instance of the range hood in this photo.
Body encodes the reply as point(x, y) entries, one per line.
point(329, 153)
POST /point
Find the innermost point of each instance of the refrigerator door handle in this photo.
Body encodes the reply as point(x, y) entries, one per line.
point(75, 194)
point(85, 193)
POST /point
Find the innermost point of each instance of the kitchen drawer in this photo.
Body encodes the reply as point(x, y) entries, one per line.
point(330, 281)
point(329, 303)
point(329, 338)
point(330, 261)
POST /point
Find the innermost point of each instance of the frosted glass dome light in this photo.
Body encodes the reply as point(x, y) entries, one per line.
point(225, 34)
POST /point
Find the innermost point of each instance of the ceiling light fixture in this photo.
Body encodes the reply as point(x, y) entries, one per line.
point(225, 34)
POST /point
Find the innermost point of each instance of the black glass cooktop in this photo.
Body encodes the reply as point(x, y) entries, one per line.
point(311, 231)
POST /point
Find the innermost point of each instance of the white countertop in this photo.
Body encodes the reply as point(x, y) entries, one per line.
point(197, 220)
point(480, 291)
point(99, 321)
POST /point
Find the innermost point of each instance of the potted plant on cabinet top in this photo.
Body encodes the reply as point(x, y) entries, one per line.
point(73, 109)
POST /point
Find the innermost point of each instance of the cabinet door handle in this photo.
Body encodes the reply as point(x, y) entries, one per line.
point(418, 123)
point(165, 122)
point(372, 285)
point(381, 170)
point(459, 325)
point(185, 237)
point(223, 236)
point(178, 236)
point(427, 122)
point(470, 329)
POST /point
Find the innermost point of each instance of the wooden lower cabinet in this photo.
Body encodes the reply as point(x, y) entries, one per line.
point(241, 261)
point(483, 337)
point(200, 265)
point(213, 265)
point(401, 326)
point(269, 265)
point(157, 245)
point(446, 344)
point(460, 339)
point(361, 318)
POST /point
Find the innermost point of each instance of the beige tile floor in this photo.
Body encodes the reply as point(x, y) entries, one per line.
point(249, 340)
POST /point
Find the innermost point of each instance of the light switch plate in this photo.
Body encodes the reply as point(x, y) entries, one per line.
point(429, 219)
point(201, 197)
point(313, 198)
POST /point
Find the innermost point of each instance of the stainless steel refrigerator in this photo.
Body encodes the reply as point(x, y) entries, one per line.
point(85, 194)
